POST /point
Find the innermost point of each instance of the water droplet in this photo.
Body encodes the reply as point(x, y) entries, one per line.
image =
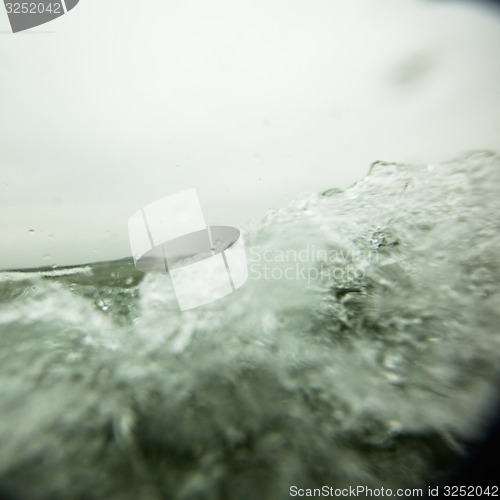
point(56, 201)
point(102, 306)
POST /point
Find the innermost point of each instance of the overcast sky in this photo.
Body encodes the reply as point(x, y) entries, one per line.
point(253, 103)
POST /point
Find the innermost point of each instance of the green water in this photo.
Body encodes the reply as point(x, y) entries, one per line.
point(370, 363)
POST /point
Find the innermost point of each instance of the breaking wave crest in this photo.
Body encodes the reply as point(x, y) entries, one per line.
point(362, 350)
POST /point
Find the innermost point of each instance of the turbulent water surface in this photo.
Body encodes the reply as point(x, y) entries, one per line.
point(361, 351)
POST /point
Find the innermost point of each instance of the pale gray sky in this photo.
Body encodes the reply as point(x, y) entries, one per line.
point(120, 103)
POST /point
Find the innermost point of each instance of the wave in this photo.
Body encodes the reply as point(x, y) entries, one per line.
point(363, 350)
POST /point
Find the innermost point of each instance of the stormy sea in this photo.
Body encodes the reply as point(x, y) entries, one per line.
point(363, 350)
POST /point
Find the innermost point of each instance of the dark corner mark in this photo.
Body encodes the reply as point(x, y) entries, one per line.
point(26, 15)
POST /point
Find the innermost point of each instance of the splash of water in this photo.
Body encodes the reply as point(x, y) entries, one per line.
point(362, 350)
